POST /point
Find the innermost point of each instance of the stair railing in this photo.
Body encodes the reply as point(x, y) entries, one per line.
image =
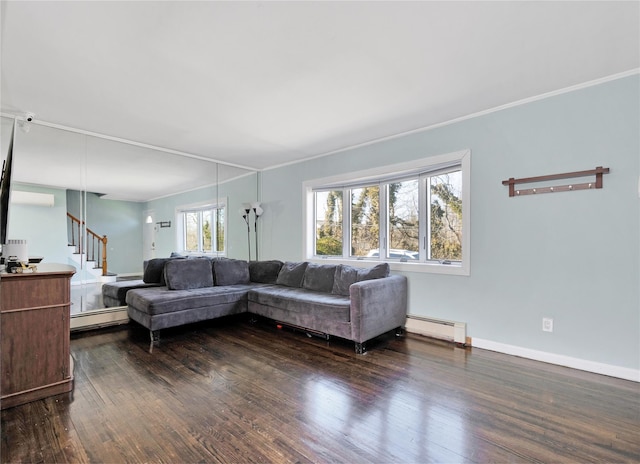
point(96, 244)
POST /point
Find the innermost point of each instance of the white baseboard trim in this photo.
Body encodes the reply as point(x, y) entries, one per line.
point(130, 274)
point(561, 360)
point(95, 319)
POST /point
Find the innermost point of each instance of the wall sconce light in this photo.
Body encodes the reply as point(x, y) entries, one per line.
point(149, 220)
point(163, 224)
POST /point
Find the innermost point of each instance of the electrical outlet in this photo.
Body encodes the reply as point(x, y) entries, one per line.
point(547, 324)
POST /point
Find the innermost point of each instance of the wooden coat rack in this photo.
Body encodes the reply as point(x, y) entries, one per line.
point(598, 172)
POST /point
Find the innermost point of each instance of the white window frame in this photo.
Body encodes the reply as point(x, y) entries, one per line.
point(214, 204)
point(384, 174)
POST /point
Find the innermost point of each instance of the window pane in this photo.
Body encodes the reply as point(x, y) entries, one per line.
point(365, 221)
point(403, 229)
point(219, 230)
point(446, 216)
point(191, 231)
point(328, 209)
point(207, 217)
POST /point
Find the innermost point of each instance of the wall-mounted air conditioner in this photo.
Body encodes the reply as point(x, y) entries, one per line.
point(31, 198)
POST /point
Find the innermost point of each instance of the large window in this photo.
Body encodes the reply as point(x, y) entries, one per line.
point(201, 228)
point(413, 213)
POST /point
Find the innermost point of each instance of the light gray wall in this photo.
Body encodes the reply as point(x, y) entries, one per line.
point(44, 227)
point(571, 256)
point(121, 222)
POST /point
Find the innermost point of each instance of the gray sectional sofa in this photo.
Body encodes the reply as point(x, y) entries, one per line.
point(356, 304)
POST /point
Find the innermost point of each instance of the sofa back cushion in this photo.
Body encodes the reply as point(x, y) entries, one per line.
point(378, 271)
point(231, 271)
point(185, 274)
point(264, 272)
point(319, 277)
point(291, 274)
point(347, 275)
point(154, 271)
point(343, 278)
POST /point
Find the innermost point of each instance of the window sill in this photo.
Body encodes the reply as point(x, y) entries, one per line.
point(429, 268)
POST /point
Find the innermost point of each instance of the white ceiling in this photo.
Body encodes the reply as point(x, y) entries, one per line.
point(259, 84)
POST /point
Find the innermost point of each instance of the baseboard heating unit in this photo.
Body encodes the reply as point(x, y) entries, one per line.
point(437, 328)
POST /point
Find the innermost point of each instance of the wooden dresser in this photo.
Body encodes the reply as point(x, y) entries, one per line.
point(34, 334)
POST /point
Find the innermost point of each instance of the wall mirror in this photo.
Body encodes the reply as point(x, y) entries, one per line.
point(90, 201)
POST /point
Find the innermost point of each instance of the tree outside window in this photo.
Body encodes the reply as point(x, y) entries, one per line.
point(446, 217)
point(329, 223)
point(404, 228)
point(440, 213)
point(365, 220)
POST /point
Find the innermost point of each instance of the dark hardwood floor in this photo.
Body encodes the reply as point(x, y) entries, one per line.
point(229, 391)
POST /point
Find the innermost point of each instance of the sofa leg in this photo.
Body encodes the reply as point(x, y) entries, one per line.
point(155, 339)
point(399, 331)
point(360, 348)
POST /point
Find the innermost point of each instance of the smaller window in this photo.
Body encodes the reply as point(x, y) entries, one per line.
point(202, 228)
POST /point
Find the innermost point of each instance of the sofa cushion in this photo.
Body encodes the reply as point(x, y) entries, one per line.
point(154, 271)
point(185, 274)
point(344, 277)
point(291, 274)
point(319, 277)
point(160, 300)
point(118, 290)
point(231, 271)
point(378, 271)
point(265, 272)
point(306, 306)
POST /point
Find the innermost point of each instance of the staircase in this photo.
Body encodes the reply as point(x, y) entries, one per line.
point(93, 273)
point(90, 256)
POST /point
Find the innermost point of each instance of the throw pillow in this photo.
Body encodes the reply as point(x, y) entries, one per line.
point(291, 274)
point(319, 277)
point(344, 277)
point(376, 272)
point(231, 272)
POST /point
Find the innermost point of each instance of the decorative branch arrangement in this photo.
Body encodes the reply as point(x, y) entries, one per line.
point(598, 172)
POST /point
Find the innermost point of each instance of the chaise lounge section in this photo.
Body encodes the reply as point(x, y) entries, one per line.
point(114, 293)
point(356, 304)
